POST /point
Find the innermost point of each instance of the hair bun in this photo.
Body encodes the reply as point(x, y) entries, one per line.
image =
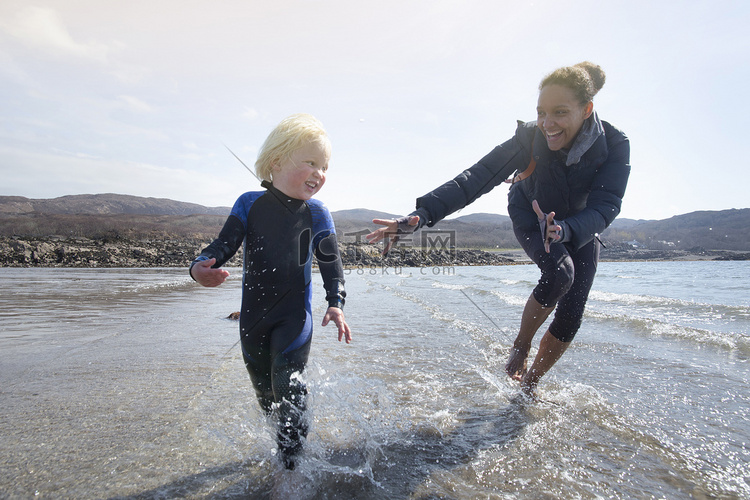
point(595, 72)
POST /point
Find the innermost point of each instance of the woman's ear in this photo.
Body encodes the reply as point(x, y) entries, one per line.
point(588, 109)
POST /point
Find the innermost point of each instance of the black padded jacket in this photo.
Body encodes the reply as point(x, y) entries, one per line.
point(587, 195)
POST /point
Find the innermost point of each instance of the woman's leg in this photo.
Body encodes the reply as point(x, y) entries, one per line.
point(570, 308)
point(556, 279)
point(534, 315)
point(550, 350)
point(567, 317)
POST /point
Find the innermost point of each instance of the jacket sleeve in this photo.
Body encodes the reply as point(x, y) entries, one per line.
point(519, 209)
point(473, 182)
point(607, 190)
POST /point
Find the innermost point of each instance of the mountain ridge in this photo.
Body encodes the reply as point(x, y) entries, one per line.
point(115, 204)
point(105, 204)
point(107, 214)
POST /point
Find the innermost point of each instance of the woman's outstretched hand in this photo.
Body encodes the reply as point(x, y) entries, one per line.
point(550, 230)
point(392, 229)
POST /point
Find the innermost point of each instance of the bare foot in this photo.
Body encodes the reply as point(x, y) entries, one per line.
point(516, 365)
point(528, 389)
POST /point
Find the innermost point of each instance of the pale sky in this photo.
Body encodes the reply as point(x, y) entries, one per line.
point(139, 97)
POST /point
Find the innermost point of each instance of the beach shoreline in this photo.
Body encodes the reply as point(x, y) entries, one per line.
point(79, 252)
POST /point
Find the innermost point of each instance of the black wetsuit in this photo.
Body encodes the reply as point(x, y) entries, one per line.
point(280, 235)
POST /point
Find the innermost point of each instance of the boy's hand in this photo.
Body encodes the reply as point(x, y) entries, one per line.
point(206, 276)
point(337, 315)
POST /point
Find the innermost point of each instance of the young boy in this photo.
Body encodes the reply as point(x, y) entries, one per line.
point(281, 228)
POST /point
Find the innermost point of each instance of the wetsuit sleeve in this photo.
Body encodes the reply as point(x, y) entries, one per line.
point(328, 255)
point(474, 182)
point(331, 270)
point(607, 190)
point(231, 235)
point(226, 245)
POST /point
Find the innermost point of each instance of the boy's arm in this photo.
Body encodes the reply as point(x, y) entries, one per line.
point(204, 269)
point(331, 268)
point(337, 315)
point(332, 272)
point(202, 272)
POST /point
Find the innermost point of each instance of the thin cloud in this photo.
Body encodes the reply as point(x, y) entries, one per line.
point(250, 113)
point(134, 104)
point(438, 84)
point(43, 29)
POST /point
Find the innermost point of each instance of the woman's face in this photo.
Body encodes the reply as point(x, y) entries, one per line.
point(560, 116)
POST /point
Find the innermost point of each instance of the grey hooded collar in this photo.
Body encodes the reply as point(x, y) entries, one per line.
point(590, 132)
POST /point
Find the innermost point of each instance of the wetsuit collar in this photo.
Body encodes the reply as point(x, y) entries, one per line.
point(279, 195)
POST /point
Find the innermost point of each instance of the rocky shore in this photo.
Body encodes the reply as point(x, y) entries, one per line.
point(85, 252)
point(118, 252)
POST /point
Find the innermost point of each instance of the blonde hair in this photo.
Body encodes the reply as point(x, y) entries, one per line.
point(293, 133)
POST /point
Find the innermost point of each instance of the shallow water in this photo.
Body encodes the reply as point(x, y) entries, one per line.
point(128, 383)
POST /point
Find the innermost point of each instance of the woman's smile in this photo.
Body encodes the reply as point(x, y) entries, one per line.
point(560, 116)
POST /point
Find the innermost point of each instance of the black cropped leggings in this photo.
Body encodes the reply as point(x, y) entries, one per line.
point(566, 280)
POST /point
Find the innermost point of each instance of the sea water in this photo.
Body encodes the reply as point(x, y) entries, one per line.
point(128, 383)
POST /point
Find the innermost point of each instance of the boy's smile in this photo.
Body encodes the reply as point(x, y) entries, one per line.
point(303, 173)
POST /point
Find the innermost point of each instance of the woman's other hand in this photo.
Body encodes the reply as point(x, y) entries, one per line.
point(548, 226)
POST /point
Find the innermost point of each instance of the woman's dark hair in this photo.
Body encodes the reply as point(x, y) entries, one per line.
point(585, 79)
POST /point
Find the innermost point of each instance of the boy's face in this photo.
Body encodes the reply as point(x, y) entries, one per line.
point(302, 174)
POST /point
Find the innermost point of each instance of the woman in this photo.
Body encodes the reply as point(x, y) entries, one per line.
point(573, 168)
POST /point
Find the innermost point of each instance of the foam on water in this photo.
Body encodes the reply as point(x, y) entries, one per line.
point(151, 399)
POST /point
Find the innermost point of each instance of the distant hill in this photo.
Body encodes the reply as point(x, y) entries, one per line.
point(115, 215)
point(484, 218)
point(628, 223)
point(108, 216)
point(105, 204)
point(352, 225)
point(713, 230)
